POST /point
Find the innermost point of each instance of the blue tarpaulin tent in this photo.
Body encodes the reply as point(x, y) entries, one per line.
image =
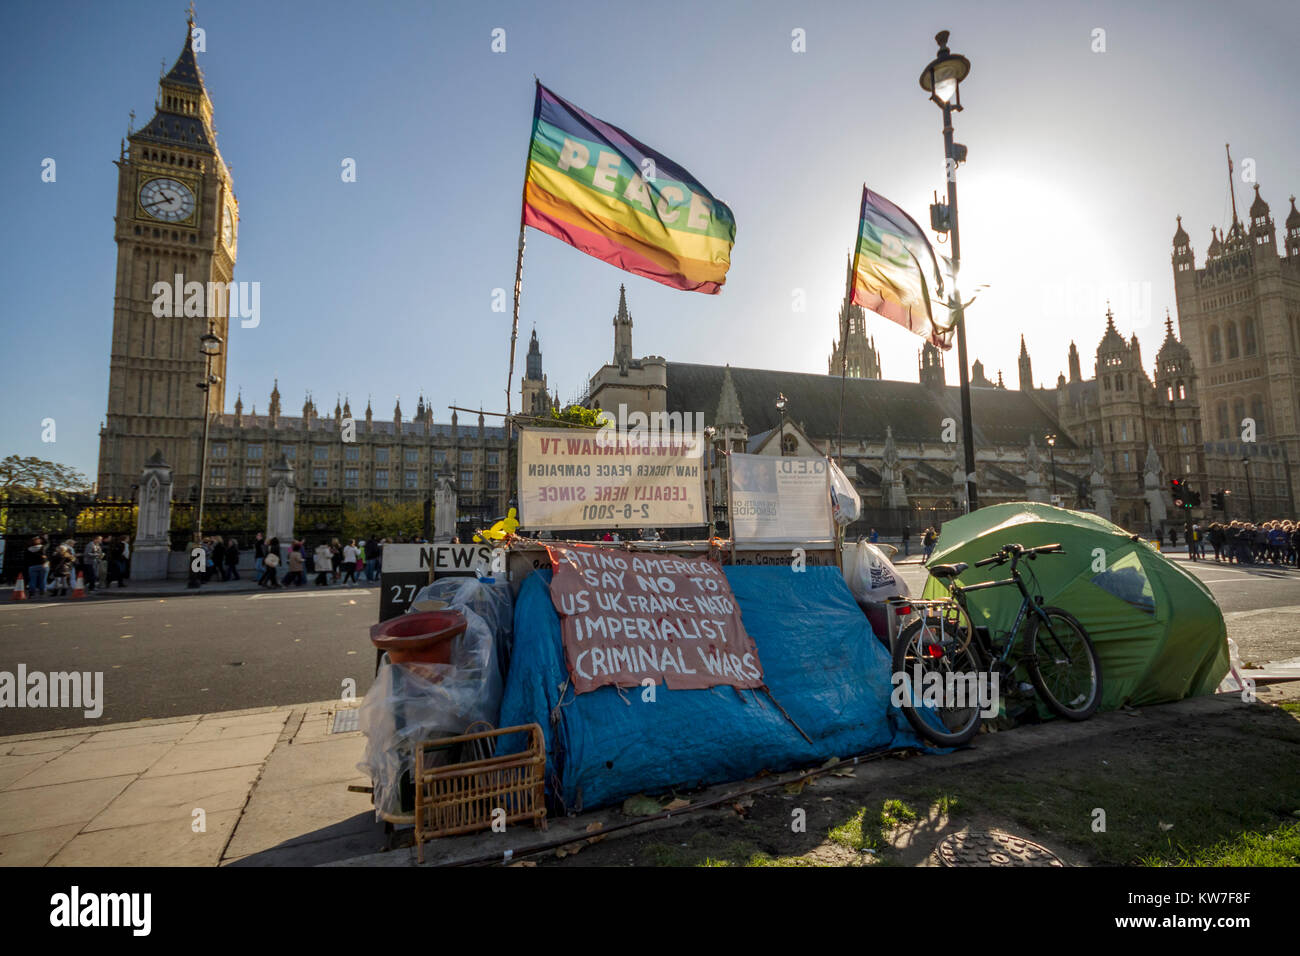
point(820, 659)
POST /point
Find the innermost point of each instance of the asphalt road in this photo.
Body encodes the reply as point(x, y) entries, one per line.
point(190, 654)
point(214, 652)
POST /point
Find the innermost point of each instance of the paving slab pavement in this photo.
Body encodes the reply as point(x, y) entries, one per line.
point(266, 786)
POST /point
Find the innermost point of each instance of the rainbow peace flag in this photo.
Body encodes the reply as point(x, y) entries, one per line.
point(595, 187)
point(889, 269)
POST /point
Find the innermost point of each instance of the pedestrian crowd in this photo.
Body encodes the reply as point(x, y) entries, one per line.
point(1242, 542)
point(50, 568)
point(332, 562)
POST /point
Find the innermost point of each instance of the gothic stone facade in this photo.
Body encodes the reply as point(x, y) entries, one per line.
point(177, 215)
point(1240, 317)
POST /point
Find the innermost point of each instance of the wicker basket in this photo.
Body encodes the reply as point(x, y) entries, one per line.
point(461, 797)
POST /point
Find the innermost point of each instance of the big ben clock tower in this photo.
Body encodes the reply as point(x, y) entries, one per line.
point(176, 216)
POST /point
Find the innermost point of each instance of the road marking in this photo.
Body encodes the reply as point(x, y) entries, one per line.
point(1289, 609)
point(305, 594)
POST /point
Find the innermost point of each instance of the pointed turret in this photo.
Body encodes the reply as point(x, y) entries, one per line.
point(1261, 223)
point(274, 413)
point(370, 415)
point(1076, 375)
point(728, 413)
point(347, 408)
point(1216, 246)
point(1026, 368)
point(239, 408)
point(1293, 231)
point(184, 111)
point(622, 333)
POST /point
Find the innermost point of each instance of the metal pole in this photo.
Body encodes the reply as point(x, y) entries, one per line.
point(1250, 492)
point(196, 578)
point(959, 318)
point(1051, 454)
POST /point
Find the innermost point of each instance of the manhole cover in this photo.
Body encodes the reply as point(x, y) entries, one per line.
point(346, 721)
point(993, 848)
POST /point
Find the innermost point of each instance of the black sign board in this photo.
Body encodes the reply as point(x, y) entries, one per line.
point(409, 567)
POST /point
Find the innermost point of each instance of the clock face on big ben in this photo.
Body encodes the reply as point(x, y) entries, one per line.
point(167, 200)
point(228, 228)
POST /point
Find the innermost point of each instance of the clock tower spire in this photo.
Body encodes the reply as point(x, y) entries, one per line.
point(175, 225)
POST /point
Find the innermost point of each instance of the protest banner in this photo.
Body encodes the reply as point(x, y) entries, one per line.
point(784, 500)
point(628, 617)
point(587, 479)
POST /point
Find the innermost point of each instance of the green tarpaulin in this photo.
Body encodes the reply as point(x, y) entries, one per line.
point(1159, 632)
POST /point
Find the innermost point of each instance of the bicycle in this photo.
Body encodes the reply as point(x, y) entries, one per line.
point(1058, 654)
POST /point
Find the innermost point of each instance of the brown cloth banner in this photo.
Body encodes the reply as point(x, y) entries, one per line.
point(626, 617)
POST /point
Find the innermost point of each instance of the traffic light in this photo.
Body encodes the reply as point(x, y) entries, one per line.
point(1193, 498)
point(1177, 489)
point(1216, 500)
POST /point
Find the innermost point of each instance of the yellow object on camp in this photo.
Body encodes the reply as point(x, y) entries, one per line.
point(506, 526)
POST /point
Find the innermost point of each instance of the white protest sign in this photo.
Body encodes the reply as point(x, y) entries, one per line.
point(578, 479)
point(783, 499)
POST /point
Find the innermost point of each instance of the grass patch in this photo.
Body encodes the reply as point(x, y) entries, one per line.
point(1291, 707)
point(863, 832)
point(1281, 847)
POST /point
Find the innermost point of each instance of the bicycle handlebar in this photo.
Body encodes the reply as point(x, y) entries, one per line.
point(1012, 552)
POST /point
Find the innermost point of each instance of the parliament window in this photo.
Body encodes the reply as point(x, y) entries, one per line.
point(289, 451)
point(493, 458)
point(412, 454)
point(219, 449)
point(352, 453)
point(320, 452)
point(319, 477)
point(493, 481)
point(350, 477)
point(217, 476)
point(253, 451)
point(466, 479)
point(440, 458)
point(253, 476)
point(381, 456)
point(381, 477)
point(1216, 345)
point(412, 479)
point(467, 458)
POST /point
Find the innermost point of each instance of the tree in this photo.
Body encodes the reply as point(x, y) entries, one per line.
point(383, 519)
point(39, 477)
point(575, 416)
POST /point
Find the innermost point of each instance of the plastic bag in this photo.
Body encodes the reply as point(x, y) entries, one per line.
point(846, 505)
point(872, 577)
point(412, 702)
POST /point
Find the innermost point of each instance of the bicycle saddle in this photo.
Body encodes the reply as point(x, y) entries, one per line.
point(948, 570)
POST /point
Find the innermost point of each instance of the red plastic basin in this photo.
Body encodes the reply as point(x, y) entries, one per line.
point(424, 636)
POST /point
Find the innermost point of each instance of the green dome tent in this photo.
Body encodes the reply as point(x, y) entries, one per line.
point(1158, 631)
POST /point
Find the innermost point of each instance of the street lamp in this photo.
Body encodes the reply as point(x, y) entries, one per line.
point(209, 348)
point(780, 407)
point(1051, 453)
point(942, 80)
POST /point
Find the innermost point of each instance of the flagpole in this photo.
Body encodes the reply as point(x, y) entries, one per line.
point(519, 278)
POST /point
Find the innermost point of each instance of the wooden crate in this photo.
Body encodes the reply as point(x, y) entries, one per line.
point(461, 797)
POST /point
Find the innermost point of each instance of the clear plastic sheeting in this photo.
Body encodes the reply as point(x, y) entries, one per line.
point(413, 702)
point(489, 598)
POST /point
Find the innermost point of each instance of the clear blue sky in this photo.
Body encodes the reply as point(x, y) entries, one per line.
point(1078, 163)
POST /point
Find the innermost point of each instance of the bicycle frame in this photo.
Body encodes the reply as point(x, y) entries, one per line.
point(959, 593)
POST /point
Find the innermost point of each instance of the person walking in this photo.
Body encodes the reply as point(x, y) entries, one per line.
point(37, 563)
point(295, 576)
point(90, 557)
point(349, 562)
point(336, 559)
point(322, 564)
point(219, 558)
point(907, 542)
point(271, 564)
point(232, 560)
point(60, 568)
point(873, 537)
point(259, 554)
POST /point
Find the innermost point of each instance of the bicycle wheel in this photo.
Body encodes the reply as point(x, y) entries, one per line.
point(1063, 665)
point(937, 651)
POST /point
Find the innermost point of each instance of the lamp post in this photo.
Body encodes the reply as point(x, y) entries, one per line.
point(209, 348)
point(1250, 491)
point(780, 407)
point(1051, 454)
point(941, 79)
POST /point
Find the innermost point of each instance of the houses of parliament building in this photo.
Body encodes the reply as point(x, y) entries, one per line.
point(1222, 408)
